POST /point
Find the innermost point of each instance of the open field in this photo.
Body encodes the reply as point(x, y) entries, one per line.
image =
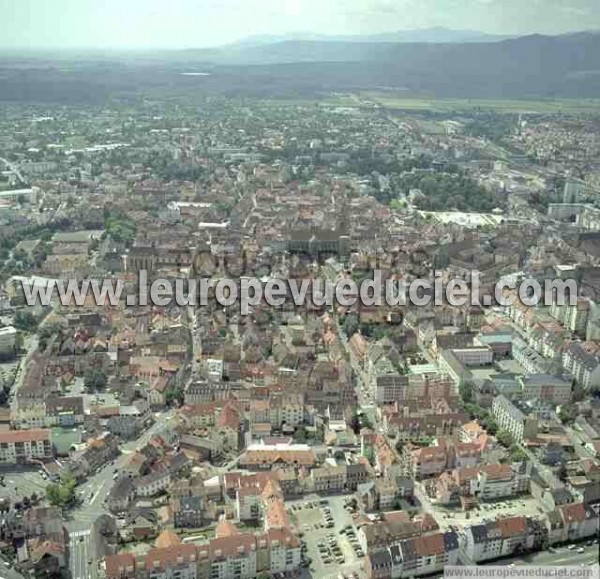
point(397, 101)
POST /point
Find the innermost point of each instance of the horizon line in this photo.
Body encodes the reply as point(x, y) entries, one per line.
point(322, 38)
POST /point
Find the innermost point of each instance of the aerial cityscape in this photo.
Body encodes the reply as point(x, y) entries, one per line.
point(317, 305)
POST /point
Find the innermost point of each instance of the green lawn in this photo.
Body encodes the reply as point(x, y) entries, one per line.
point(444, 105)
point(408, 103)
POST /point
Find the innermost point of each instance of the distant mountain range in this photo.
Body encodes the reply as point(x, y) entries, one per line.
point(530, 66)
point(429, 35)
point(565, 66)
point(478, 52)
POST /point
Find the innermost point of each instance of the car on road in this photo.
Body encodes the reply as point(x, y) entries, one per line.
point(581, 550)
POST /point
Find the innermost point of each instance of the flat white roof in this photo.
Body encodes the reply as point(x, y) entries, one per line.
point(280, 447)
point(15, 192)
point(208, 225)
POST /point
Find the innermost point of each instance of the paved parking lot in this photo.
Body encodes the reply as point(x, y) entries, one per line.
point(526, 506)
point(329, 549)
point(22, 481)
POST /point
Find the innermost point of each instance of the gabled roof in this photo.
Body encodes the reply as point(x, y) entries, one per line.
point(167, 539)
point(572, 513)
point(226, 528)
point(512, 526)
point(122, 565)
point(177, 555)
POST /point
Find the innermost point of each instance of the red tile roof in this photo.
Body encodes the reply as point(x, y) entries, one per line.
point(226, 528)
point(573, 513)
point(237, 546)
point(429, 545)
point(14, 436)
point(512, 526)
point(162, 558)
point(167, 539)
point(118, 566)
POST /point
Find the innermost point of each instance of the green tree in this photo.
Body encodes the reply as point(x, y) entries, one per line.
point(174, 395)
point(365, 422)
point(120, 227)
point(351, 325)
point(517, 454)
point(20, 255)
point(62, 494)
point(466, 393)
point(95, 379)
point(300, 435)
point(48, 332)
point(489, 424)
point(19, 342)
point(566, 413)
point(25, 321)
point(505, 438)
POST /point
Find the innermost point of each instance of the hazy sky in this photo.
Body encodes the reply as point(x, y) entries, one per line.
point(197, 23)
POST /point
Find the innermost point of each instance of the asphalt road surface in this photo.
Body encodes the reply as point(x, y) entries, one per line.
point(562, 557)
point(82, 563)
point(93, 492)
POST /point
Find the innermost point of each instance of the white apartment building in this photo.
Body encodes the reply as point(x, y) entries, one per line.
point(573, 317)
point(18, 446)
point(474, 357)
point(514, 420)
point(176, 562)
point(29, 414)
point(583, 364)
point(546, 388)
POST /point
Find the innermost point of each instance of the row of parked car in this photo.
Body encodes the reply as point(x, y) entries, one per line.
point(305, 559)
point(329, 524)
point(330, 550)
point(353, 540)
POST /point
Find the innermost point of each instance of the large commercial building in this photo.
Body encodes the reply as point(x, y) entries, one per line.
point(545, 388)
